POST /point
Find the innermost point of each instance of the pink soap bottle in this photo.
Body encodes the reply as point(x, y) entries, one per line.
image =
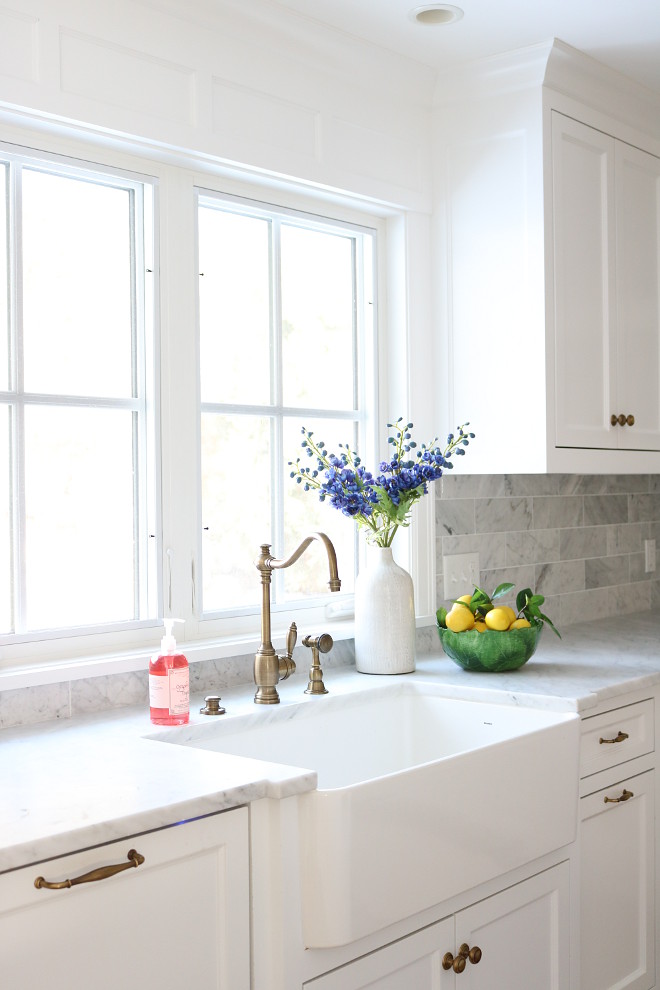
point(169, 684)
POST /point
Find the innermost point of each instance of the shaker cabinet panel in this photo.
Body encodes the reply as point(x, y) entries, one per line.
point(638, 295)
point(606, 259)
point(617, 886)
point(523, 934)
point(585, 312)
point(178, 918)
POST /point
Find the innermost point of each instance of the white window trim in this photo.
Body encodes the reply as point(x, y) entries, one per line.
point(177, 173)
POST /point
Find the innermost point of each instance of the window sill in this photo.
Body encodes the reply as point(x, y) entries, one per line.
point(58, 671)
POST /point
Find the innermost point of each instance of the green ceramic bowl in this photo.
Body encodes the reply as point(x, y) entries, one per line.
point(491, 650)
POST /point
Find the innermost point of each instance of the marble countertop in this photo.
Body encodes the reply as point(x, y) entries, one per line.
point(95, 778)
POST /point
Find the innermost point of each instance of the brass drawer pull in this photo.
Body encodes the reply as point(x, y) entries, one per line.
point(622, 419)
point(625, 796)
point(464, 953)
point(135, 860)
point(620, 737)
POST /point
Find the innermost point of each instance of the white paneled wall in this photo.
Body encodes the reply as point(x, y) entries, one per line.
point(282, 97)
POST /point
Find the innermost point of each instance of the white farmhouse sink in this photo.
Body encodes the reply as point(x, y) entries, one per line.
point(419, 797)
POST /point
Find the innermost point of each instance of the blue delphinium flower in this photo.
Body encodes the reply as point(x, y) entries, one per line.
point(383, 503)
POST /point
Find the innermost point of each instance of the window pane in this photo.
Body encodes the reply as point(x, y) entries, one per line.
point(4, 283)
point(317, 319)
point(5, 524)
point(234, 306)
point(236, 487)
point(80, 541)
point(304, 514)
point(77, 287)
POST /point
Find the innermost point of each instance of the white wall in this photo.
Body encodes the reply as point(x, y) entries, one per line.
point(275, 98)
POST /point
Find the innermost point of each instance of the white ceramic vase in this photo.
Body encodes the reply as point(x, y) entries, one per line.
point(384, 616)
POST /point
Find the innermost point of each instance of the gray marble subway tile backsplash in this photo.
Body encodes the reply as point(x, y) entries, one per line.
point(577, 539)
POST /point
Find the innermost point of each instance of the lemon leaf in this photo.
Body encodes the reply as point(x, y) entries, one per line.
point(550, 623)
point(522, 598)
point(502, 589)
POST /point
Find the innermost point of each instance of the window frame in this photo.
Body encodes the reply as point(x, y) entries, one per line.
point(174, 178)
point(142, 188)
point(307, 214)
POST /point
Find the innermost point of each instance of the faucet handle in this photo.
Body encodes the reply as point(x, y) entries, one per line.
point(291, 639)
point(287, 664)
point(322, 643)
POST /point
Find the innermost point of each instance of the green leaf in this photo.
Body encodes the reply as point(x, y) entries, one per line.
point(522, 598)
point(537, 599)
point(441, 616)
point(502, 589)
point(550, 623)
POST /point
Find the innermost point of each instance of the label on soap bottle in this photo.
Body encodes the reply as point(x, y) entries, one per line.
point(170, 692)
point(179, 691)
point(159, 691)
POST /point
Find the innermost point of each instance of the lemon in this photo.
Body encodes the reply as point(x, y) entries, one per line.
point(465, 598)
point(510, 612)
point(480, 625)
point(459, 619)
point(520, 624)
point(498, 618)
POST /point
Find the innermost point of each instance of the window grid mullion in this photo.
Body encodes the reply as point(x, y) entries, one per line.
point(138, 418)
point(18, 384)
point(277, 398)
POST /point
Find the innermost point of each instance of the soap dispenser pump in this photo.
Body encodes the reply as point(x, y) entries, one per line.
point(169, 684)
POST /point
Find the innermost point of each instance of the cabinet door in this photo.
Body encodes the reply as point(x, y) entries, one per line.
point(638, 295)
point(584, 285)
point(178, 920)
point(617, 878)
point(523, 934)
point(412, 963)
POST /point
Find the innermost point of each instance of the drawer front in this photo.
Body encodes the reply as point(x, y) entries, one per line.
point(616, 737)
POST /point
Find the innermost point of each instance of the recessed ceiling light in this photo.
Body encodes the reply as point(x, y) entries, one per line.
point(436, 13)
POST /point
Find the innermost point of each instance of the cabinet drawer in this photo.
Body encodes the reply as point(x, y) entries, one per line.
point(616, 737)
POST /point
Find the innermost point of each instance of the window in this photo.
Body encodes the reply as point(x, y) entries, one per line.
point(286, 341)
point(77, 407)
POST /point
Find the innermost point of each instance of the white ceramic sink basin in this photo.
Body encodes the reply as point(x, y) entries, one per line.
point(419, 797)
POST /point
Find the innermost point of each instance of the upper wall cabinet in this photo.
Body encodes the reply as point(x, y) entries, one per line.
point(606, 252)
point(547, 235)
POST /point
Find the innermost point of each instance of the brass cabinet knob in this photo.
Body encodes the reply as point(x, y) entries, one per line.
point(447, 960)
point(630, 420)
point(458, 962)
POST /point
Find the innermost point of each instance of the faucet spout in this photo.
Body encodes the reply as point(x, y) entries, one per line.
point(269, 668)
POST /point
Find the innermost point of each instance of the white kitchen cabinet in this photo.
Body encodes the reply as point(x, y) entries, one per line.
point(617, 851)
point(519, 938)
point(549, 234)
point(178, 919)
point(606, 246)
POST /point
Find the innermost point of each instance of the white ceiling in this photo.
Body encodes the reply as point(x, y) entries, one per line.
point(624, 34)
